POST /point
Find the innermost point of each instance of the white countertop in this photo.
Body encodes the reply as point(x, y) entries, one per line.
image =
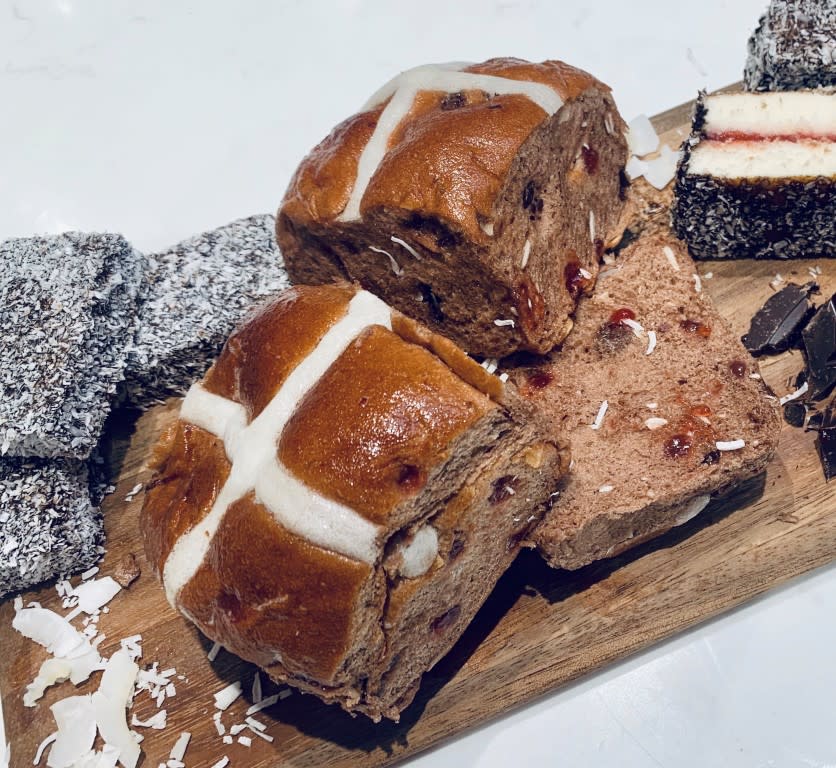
point(160, 120)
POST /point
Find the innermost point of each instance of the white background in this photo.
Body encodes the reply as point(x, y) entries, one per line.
point(159, 120)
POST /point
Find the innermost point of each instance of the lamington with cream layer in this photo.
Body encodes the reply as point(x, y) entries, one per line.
point(757, 177)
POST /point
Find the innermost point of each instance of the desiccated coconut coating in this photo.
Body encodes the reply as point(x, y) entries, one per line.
point(67, 313)
point(48, 527)
point(195, 294)
point(794, 46)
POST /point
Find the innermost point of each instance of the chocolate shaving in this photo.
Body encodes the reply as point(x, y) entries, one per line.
point(820, 346)
point(795, 413)
point(776, 325)
point(826, 442)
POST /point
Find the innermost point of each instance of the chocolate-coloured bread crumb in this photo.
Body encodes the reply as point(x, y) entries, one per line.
point(776, 325)
point(820, 347)
point(127, 570)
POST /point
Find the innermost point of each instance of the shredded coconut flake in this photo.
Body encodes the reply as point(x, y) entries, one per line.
point(156, 721)
point(655, 423)
point(730, 445)
point(501, 322)
point(591, 226)
point(255, 724)
point(635, 168)
point(651, 342)
point(794, 395)
point(754, 375)
point(526, 254)
point(651, 406)
point(503, 377)
point(406, 245)
point(606, 489)
point(213, 651)
point(585, 274)
point(660, 171)
point(178, 751)
point(222, 763)
point(599, 418)
point(41, 747)
point(671, 257)
point(226, 696)
point(697, 283)
point(269, 701)
point(634, 325)
point(256, 692)
point(396, 268)
point(642, 138)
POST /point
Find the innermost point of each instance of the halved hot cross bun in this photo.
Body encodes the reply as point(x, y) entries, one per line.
point(476, 198)
point(340, 494)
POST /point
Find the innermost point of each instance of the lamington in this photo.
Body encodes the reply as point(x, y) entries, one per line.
point(794, 46)
point(68, 313)
point(195, 294)
point(48, 525)
point(758, 177)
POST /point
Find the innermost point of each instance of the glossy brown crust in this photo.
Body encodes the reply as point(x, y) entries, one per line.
point(266, 592)
point(478, 140)
point(256, 360)
point(190, 468)
point(445, 145)
point(321, 186)
point(377, 423)
point(464, 366)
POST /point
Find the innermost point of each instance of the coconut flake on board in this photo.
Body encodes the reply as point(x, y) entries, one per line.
point(642, 138)
point(226, 696)
point(661, 170)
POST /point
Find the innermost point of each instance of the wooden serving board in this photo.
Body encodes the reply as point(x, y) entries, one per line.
point(539, 629)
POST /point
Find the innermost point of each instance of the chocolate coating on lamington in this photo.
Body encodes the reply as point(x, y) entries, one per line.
point(195, 294)
point(794, 46)
point(48, 527)
point(67, 314)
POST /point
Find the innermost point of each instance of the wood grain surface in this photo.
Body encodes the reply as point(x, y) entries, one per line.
point(539, 629)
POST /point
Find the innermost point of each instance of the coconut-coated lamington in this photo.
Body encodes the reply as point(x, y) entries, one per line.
point(67, 313)
point(794, 46)
point(195, 294)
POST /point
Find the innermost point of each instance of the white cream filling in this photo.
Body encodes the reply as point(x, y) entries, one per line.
point(764, 159)
point(405, 87)
point(252, 451)
point(420, 553)
point(777, 113)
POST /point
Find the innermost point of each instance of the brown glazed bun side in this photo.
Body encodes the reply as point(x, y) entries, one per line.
point(391, 431)
point(467, 180)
